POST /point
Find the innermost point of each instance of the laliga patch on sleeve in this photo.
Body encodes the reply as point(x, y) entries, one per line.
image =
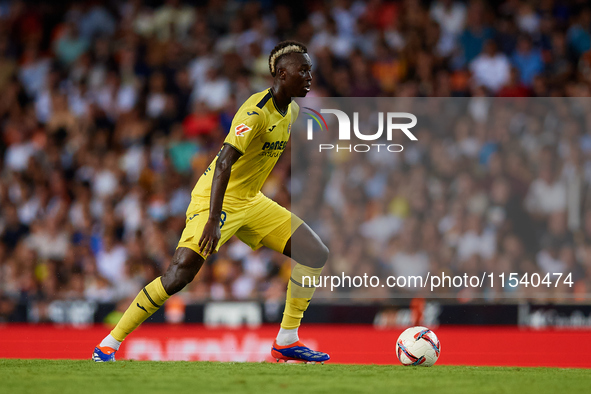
point(241, 129)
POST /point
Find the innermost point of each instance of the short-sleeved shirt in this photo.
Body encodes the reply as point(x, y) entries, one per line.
point(260, 133)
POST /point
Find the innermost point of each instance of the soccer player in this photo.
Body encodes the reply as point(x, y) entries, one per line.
point(227, 200)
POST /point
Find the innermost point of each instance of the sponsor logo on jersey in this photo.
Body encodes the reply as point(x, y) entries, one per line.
point(252, 113)
point(241, 129)
point(272, 128)
point(277, 145)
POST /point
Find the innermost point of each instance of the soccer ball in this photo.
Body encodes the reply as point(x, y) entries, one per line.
point(418, 346)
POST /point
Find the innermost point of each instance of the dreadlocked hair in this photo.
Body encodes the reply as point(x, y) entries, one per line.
point(284, 48)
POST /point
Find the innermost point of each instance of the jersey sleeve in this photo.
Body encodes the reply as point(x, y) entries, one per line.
point(248, 123)
point(295, 111)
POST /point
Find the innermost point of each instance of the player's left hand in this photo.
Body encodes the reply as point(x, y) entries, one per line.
point(210, 237)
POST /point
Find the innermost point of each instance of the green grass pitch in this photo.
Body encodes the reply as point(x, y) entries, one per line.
point(146, 377)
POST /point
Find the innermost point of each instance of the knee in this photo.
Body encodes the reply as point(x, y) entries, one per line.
point(181, 272)
point(175, 278)
point(318, 256)
point(323, 253)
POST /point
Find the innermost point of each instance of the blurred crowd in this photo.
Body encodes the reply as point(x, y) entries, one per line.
point(493, 186)
point(110, 111)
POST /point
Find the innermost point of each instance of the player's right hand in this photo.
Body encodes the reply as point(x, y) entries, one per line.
point(210, 237)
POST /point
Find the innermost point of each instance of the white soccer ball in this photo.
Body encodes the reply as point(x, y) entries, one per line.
point(418, 346)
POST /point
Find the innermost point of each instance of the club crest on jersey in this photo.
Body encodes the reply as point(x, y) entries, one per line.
point(241, 129)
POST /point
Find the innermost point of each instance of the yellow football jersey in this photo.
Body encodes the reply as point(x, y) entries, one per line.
point(260, 132)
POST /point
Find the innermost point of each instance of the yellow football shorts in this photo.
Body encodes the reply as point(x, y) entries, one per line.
point(259, 222)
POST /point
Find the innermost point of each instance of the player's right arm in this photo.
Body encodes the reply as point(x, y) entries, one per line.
point(221, 176)
point(247, 124)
